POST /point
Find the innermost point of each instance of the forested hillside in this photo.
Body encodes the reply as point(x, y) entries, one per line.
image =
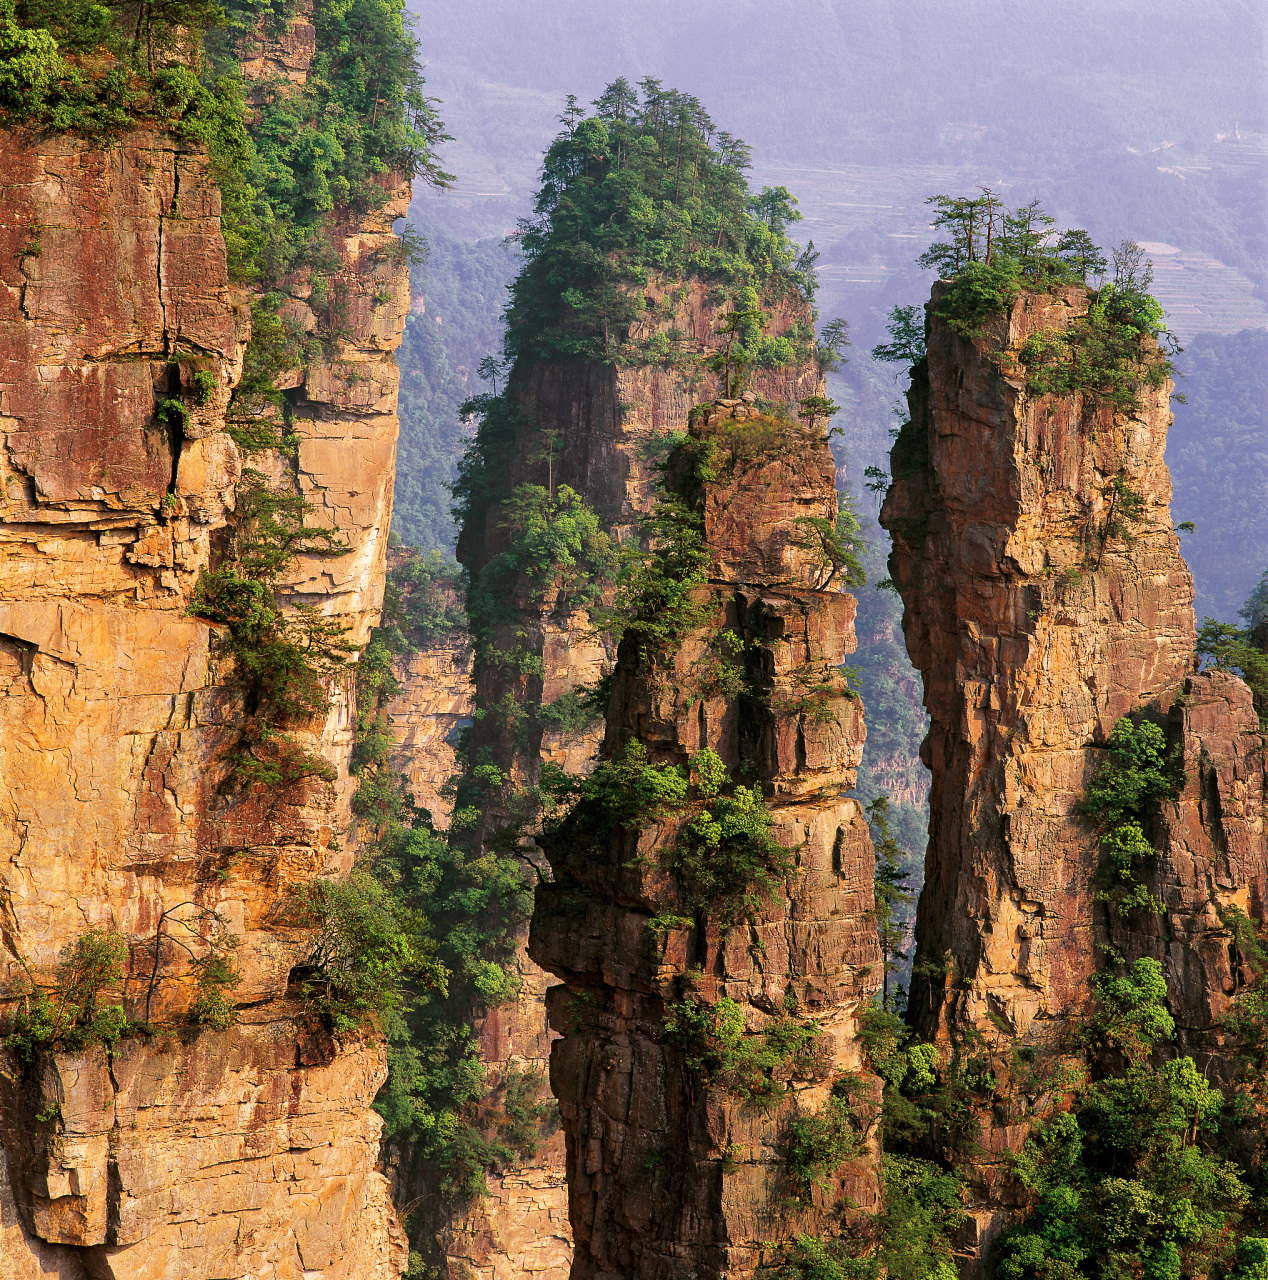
point(458, 290)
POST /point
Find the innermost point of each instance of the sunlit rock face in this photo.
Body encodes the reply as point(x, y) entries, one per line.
point(179, 1153)
point(1038, 613)
point(670, 1175)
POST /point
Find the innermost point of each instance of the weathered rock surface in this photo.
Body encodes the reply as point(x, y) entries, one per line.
point(251, 1151)
point(433, 705)
point(1034, 632)
point(607, 422)
point(1040, 609)
point(670, 1176)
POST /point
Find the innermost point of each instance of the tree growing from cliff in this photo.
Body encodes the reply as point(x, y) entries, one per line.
point(1242, 650)
point(906, 330)
point(891, 891)
point(834, 338)
point(72, 1016)
point(730, 362)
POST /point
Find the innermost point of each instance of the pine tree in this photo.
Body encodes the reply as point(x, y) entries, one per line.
point(891, 890)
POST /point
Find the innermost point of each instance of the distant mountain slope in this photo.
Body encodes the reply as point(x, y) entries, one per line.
point(1218, 454)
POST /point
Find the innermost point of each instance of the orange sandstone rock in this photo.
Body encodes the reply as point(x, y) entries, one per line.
point(670, 1176)
point(251, 1151)
point(1039, 613)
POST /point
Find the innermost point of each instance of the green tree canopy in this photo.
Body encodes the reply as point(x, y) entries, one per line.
point(647, 185)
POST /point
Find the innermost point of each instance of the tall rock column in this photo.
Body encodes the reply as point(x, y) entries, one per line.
point(1045, 597)
point(670, 1173)
point(1038, 616)
point(607, 424)
point(180, 1151)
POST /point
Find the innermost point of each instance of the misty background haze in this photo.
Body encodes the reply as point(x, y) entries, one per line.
point(1134, 120)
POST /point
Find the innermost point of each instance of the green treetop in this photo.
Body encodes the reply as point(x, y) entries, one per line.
point(647, 185)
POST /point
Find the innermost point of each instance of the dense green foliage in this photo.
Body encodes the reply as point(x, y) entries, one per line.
point(728, 859)
point(992, 255)
point(908, 1239)
point(1119, 800)
point(714, 1040)
point(364, 945)
point(422, 600)
point(556, 543)
point(73, 1016)
point(645, 188)
point(820, 1143)
point(725, 856)
point(435, 914)
point(1135, 1180)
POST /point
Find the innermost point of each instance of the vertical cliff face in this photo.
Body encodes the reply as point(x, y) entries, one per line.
point(671, 1173)
point(1034, 631)
point(181, 1151)
point(607, 424)
point(1045, 598)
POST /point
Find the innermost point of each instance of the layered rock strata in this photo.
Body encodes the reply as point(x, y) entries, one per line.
point(181, 1152)
point(1045, 597)
point(604, 425)
point(671, 1175)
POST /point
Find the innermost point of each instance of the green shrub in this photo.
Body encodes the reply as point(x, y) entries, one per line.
point(30, 63)
point(205, 386)
point(922, 1212)
point(1121, 1186)
point(285, 660)
point(212, 1006)
point(729, 862)
point(817, 1145)
point(979, 291)
point(1134, 777)
point(361, 951)
point(557, 543)
point(423, 600)
point(813, 1259)
point(71, 1017)
point(657, 599)
point(833, 548)
point(1131, 1015)
point(574, 711)
point(714, 1041)
point(1099, 354)
point(621, 793)
point(1240, 650)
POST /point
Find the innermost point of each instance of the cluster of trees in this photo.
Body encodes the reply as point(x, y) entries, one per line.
point(645, 186)
point(992, 255)
point(983, 230)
